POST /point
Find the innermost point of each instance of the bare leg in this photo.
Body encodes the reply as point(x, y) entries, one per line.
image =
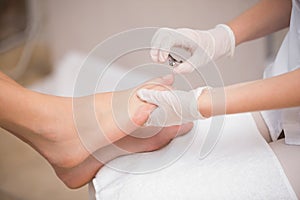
point(288, 155)
point(46, 123)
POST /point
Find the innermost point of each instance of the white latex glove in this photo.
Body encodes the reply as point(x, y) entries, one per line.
point(216, 43)
point(175, 107)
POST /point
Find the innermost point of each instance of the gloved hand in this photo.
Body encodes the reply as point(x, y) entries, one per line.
point(216, 43)
point(175, 107)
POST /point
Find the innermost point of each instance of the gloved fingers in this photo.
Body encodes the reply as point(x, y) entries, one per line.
point(198, 58)
point(164, 99)
point(156, 118)
point(162, 42)
point(188, 39)
point(150, 96)
point(165, 47)
point(189, 65)
point(154, 54)
point(159, 54)
point(171, 40)
point(159, 36)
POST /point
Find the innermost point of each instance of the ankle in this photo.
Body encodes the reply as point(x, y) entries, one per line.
point(54, 115)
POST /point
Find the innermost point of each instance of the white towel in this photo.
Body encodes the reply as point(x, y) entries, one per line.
point(241, 166)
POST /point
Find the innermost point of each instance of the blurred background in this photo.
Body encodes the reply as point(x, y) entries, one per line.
point(36, 35)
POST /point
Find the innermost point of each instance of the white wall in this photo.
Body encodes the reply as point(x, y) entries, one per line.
point(82, 24)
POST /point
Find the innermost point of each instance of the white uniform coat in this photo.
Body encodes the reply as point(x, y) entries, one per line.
point(287, 59)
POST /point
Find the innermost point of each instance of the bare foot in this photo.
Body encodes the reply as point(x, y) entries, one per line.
point(57, 138)
point(65, 143)
point(47, 124)
point(81, 174)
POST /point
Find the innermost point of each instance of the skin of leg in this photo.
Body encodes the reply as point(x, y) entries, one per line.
point(66, 149)
point(288, 156)
point(46, 123)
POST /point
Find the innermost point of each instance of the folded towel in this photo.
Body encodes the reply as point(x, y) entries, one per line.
point(241, 166)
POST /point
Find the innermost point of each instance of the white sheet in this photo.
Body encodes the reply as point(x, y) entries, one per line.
point(241, 166)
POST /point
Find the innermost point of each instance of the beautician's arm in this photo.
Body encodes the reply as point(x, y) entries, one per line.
point(272, 93)
point(264, 18)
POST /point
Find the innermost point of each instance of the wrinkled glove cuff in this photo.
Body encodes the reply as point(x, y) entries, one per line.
point(231, 37)
point(195, 110)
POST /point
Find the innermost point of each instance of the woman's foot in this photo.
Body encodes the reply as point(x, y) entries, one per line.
point(55, 135)
point(66, 133)
point(82, 173)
